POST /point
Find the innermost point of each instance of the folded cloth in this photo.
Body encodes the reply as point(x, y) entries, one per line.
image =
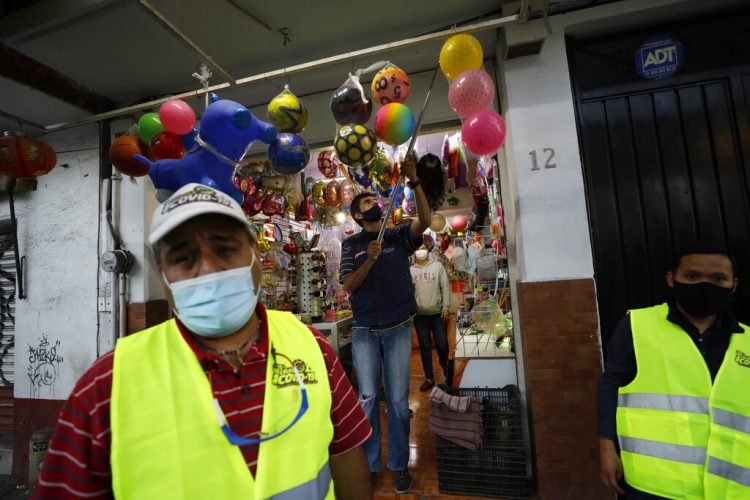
point(456, 418)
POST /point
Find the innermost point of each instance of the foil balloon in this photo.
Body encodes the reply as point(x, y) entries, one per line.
point(332, 194)
point(394, 124)
point(304, 210)
point(227, 128)
point(319, 194)
point(460, 53)
point(346, 194)
point(361, 176)
point(287, 113)
point(262, 242)
point(328, 164)
point(349, 104)
point(288, 154)
point(355, 145)
point(390, 84)
point(471, 91)
point(381, 169)
point(398, 216)
point(410, 207)
point(165, 145)
point(483, 133)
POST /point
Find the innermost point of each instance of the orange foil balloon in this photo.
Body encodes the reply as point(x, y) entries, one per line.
point(333, 190)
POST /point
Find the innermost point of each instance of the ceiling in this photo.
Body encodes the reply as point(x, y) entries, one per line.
point(63, 60)
point(117, 53)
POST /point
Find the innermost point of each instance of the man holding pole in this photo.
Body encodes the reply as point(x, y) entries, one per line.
point(377, 275)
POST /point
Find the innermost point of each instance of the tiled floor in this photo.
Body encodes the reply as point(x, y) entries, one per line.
point(423, 461)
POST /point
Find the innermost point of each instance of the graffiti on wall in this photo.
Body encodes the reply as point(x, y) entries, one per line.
point(44, 367)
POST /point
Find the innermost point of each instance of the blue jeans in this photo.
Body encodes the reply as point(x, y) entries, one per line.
point(435, 324)
point(388, 352)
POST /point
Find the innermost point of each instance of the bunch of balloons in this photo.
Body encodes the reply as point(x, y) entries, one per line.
point(470, 95)
point(167, 134)
point(394, 121)
point(289, 153)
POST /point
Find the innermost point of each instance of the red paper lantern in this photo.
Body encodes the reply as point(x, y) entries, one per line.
point(25, 158)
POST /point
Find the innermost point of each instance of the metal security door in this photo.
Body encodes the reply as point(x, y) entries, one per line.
point(7, 326)
point(663, 168)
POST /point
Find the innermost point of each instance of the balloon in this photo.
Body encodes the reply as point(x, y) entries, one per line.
point(288, 154)
point(470, 92)
point(148, 126)
point(309, 183)
point(361, 176)
point(332, 194)
point(177, 116)
point(410, 207)
point(121, 155)
point(460, 53)
point(349, 104)
point(390, 84)
point(355, 145)
point(346, 194)
point(167, 145)
point(459, 223)
point(437, 223)
point(229, 127)
point(189, 139)
point(483, 133)
point(319, 194)
point(381, 169)
point(287, 113)
point(394, 123)
point(328, 164)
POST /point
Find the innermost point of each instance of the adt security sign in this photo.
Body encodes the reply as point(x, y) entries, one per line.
point(659, 57)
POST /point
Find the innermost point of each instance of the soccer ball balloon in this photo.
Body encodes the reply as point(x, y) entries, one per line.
point(355, 145)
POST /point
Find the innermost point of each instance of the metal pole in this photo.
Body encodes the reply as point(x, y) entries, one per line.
point(14, 227)
point(185, 39)
point(413, 141)
point(299, 68)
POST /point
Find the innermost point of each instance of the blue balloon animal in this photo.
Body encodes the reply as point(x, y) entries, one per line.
point(226, 130)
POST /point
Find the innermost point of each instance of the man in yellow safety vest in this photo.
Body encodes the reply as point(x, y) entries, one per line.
point(674, 393)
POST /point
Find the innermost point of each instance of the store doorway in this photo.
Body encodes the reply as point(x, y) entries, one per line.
point(665, 161)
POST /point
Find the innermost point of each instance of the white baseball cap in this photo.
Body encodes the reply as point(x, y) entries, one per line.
point(192, 200)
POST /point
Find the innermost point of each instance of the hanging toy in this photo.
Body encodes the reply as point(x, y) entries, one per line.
point(304, 210)
point(287, 113)
point(394, 124)
point(177, 117)
point(227, 129)
point(361, 175)
point(346, 194)
point(121, 154)
point(332, 194)
point(349, 104)
point(355, 145)
point(390, 84)
point(381, 169)
point(319, 194)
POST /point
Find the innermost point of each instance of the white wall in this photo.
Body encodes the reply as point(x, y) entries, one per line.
point(58, 233)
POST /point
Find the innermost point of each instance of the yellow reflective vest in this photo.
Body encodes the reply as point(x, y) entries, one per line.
point(167, 442)
point(680, 435)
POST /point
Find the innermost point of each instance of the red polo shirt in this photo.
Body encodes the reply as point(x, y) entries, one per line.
point(77, 462)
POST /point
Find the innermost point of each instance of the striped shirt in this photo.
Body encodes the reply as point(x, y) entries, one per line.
point(77, 462)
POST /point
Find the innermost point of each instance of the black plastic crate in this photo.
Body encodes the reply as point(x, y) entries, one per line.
point(500, 468)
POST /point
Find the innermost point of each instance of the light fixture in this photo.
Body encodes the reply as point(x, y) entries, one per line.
point(340, 217)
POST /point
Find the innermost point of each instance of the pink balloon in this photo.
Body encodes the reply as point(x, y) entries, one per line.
point(459, 223)
point(470, 92)
point(177, 117)
point(483, 133)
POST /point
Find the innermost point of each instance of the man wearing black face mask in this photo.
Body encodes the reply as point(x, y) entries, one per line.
point(378, 277)
point(673, 395)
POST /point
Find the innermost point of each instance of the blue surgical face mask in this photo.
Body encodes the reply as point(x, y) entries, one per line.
point(218, 304)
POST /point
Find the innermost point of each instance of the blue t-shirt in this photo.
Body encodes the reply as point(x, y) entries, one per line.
point(386, 296)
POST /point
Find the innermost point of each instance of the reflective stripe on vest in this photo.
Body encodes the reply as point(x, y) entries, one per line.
point(670, 402)
point(674, 452)
point(166, 442)
point(729, 471)
point(315, 488)
point(730, 419)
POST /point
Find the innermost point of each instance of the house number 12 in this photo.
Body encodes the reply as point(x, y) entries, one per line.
point(547, 163)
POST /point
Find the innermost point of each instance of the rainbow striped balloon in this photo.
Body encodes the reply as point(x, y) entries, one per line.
point(394, 124)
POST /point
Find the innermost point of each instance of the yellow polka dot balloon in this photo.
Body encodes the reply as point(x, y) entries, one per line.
point(460, 53)
point(355, 145)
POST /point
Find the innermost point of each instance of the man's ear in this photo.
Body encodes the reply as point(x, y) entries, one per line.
point(736, 283)
point(670, 279)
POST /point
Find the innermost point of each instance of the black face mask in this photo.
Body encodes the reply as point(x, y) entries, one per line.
point(702, 299)
point(373, 214)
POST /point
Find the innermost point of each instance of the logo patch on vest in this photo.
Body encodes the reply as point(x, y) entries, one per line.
point(283, 375)
point(742, 359)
